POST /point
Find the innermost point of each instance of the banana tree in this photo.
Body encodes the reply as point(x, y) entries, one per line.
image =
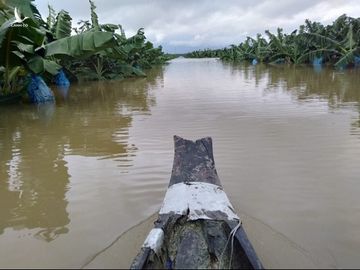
point(344, 52)
point(24, 7)
point(286, 48)
point(256, 48)
point(81, 45)
point(119, 57)
point(61, 25)
point(21, 42)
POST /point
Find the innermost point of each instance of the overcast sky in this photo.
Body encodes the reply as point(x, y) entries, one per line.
point(185, 25)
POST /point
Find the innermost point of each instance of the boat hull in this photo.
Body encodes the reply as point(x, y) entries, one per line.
point(197, 226)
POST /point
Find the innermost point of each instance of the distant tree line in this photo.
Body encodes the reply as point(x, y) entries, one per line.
point(337, 44)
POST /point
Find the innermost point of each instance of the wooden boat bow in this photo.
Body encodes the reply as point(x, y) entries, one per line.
point(193, 162)
point(197, 226)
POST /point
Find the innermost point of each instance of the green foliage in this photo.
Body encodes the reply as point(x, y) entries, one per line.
point(50, 20)
point(24, 6)
point(204, 53)
point(19, 47)
point(96, 52)
point(338, 44)
point(94, 17)
point(122, 57)
point(81, 45)
point(62, 25)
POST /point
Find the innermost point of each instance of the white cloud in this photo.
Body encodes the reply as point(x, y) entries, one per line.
point(186, 25)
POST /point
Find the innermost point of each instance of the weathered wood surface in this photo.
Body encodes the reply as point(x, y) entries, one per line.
point(203, 242)
point(194, 162)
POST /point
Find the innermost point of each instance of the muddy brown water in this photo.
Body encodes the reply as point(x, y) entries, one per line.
point(78, 175)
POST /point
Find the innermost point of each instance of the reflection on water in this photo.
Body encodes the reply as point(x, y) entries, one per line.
point(336, 88)
point(80, 172)
point(31, 196)
point(62, 92)
point(87, 120)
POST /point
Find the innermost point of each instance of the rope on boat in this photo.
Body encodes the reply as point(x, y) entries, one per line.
point(231, 236)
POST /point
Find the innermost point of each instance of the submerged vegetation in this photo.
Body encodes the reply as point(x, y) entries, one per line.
point(31, 46)
point(337, 44)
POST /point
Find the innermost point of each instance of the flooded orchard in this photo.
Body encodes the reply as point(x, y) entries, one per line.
point(77, 174)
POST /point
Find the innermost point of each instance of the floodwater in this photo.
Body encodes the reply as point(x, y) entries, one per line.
point(76, 175)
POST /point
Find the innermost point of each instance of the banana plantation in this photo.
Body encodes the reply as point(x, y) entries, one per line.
point(36, 51)
point(337, 45)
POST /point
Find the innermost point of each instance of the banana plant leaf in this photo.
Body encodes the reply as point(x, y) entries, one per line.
point(24, 6)
point(51, 18)
point(109, 27)
point(81, 45)
point(30, 32)
point(18, 42)
point(94, 16)
point(38, 65)
point(62, 25)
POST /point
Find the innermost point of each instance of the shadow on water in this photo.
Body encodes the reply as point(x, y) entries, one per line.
point(90, 119)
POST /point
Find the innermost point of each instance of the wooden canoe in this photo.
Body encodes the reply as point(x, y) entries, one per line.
point(197, 226)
